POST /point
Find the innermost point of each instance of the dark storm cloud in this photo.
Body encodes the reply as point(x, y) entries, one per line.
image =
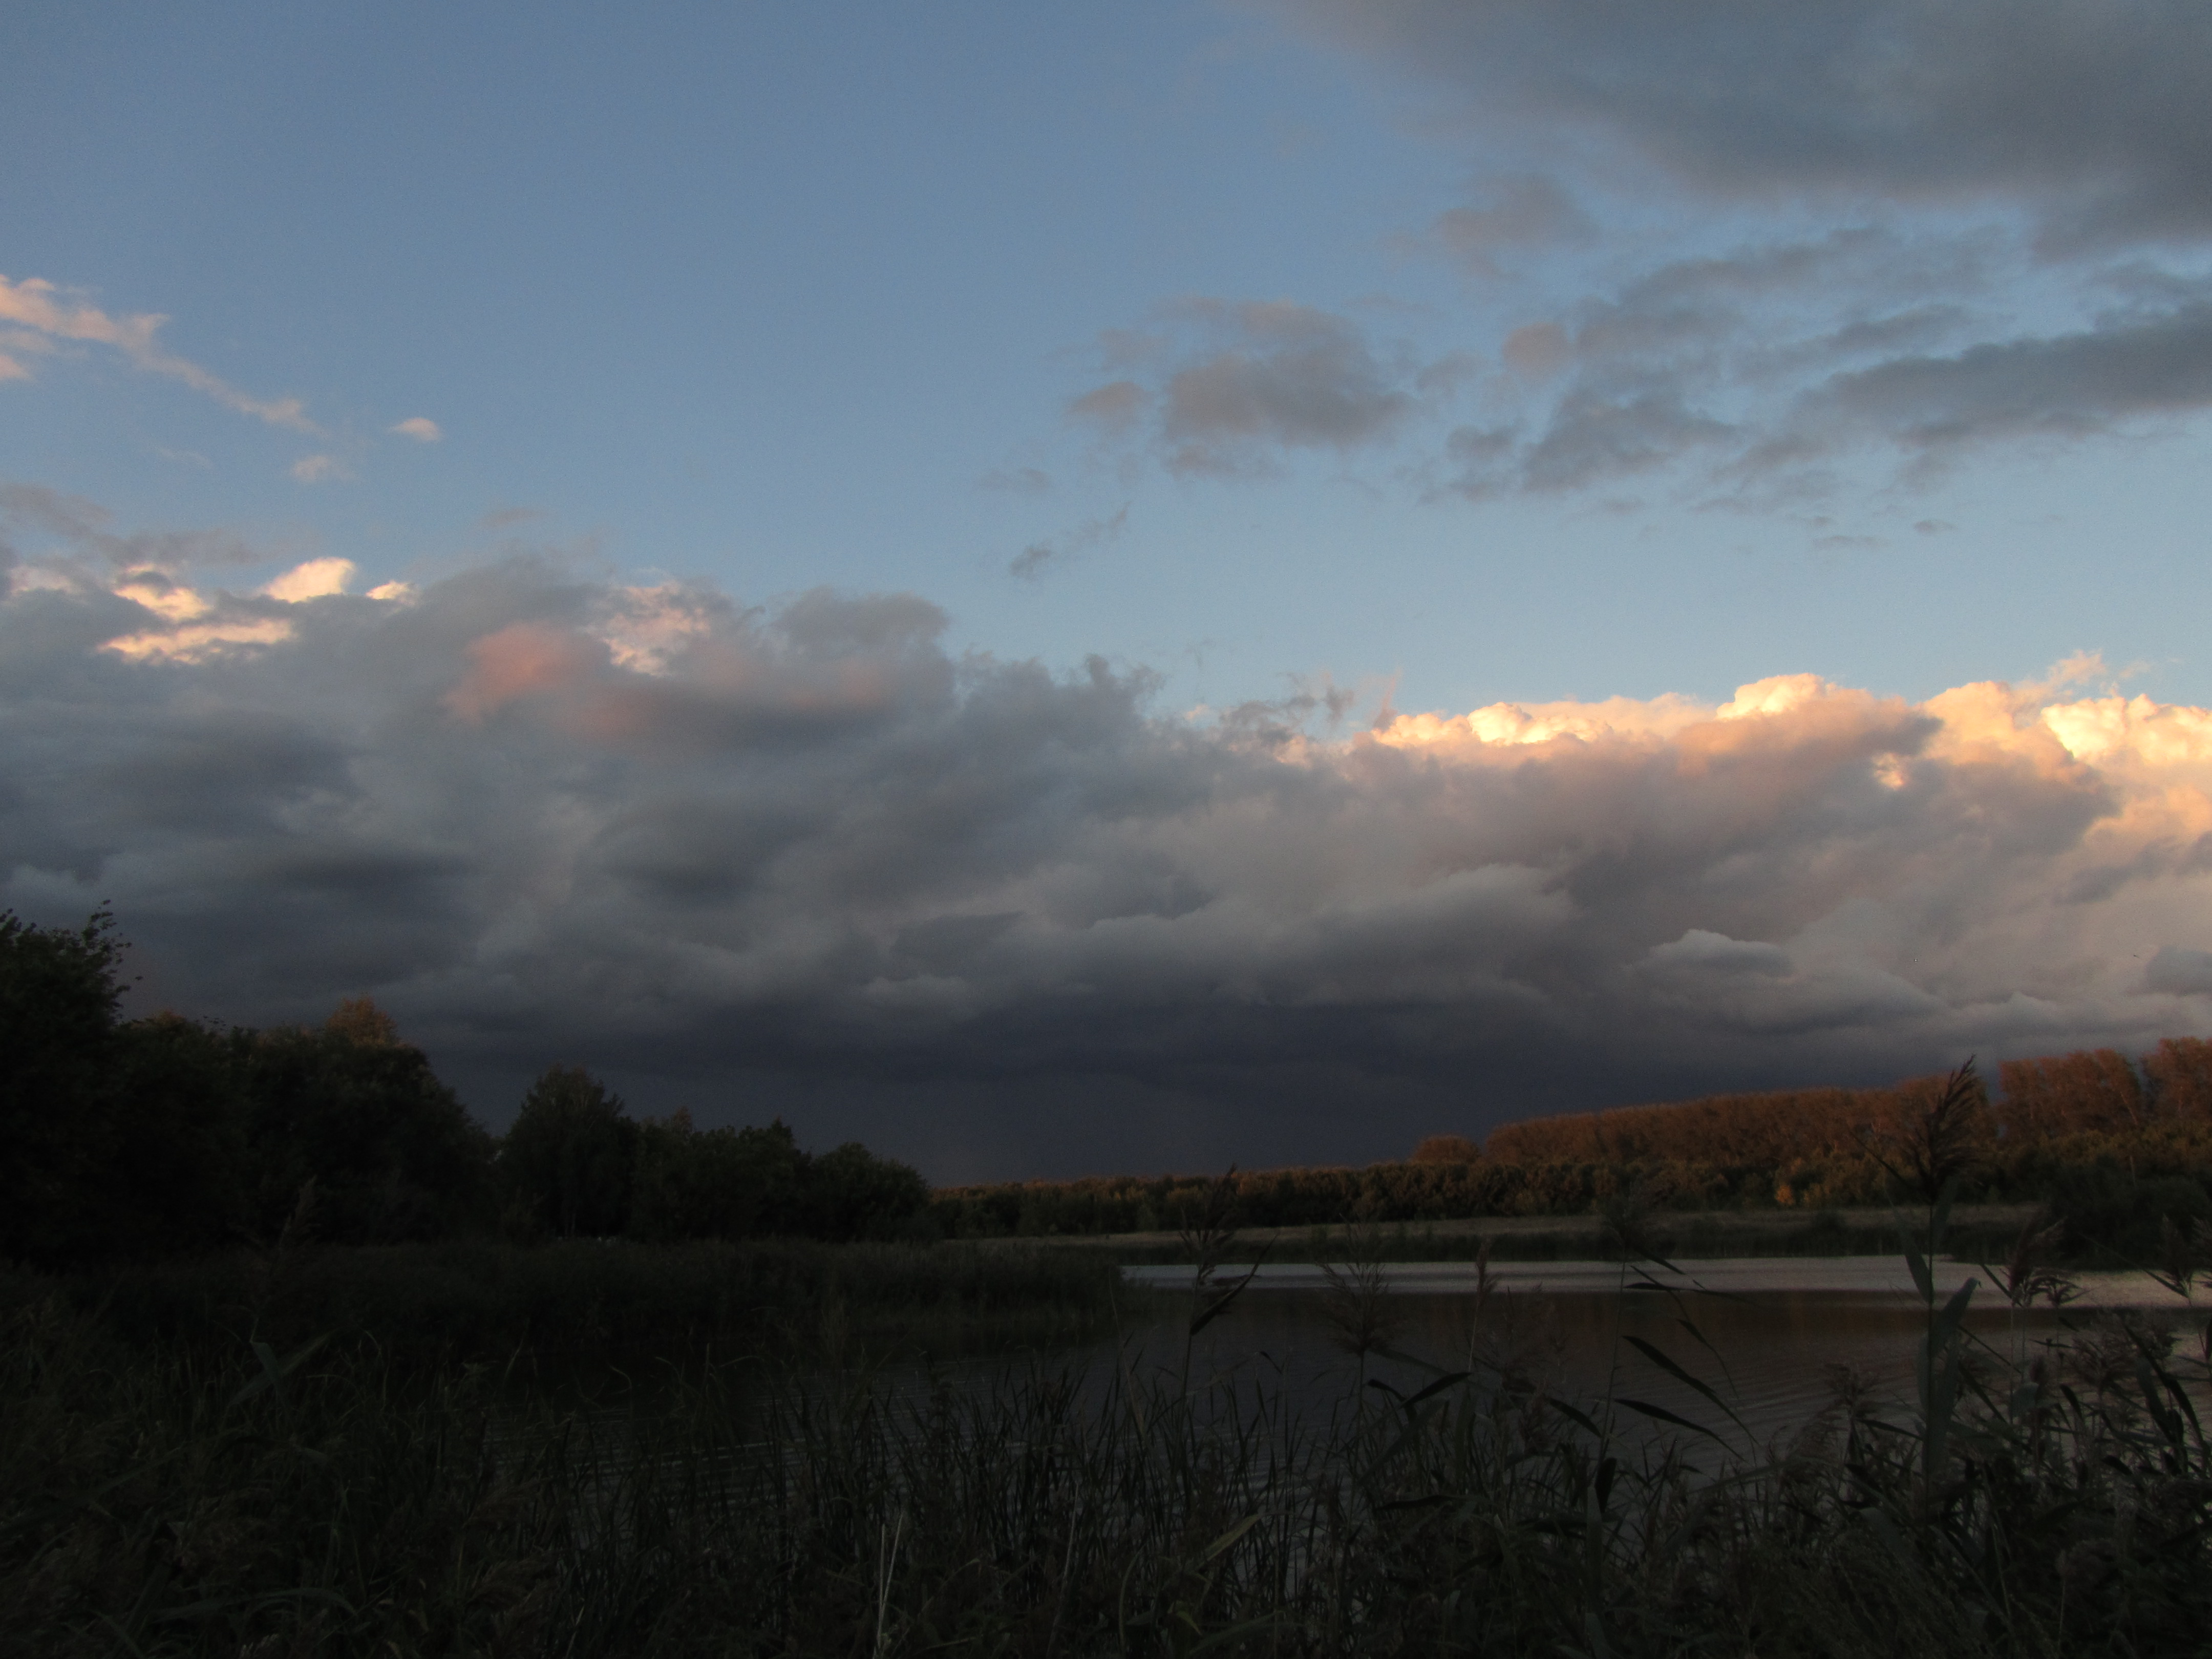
point(809, 852)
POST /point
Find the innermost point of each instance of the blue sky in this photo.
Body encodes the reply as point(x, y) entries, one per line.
point(775, 296)
point(1310, 364)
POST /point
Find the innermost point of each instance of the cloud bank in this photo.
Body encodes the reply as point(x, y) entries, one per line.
point(1003, 920)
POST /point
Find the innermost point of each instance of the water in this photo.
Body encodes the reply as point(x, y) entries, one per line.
point(1772, 1337)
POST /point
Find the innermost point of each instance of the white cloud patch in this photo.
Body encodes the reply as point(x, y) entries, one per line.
point(49, 315)
point(421, 427)
point(317, 579)
point(640, 825)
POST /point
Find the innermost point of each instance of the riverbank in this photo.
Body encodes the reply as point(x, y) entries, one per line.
point(1977, 1232)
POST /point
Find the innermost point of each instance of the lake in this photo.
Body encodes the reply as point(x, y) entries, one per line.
point(1776, 1332)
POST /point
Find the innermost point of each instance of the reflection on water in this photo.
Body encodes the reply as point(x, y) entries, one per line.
point(1769, 1336)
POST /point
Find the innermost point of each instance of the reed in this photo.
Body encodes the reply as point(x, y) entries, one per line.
point(268, 1500)
point(481, 1300)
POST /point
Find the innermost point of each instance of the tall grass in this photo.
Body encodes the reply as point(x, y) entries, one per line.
point(481, 1300)
point(325, 1499)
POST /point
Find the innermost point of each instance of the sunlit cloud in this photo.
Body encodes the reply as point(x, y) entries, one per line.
point(55, 315)
point(314, 579)
point(195, 642)
point(420, 429)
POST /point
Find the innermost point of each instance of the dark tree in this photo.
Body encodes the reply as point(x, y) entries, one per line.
point(58, 991)
point(717, 1183)
point(853, 1194)
point(179, 1161)
point(392, 1153)
point(570, 1156)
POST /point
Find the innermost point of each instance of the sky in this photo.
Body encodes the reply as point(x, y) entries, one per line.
point(1119, 589)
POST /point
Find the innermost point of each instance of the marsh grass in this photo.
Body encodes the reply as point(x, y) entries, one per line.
point(323, 1498)
point(556, 1304)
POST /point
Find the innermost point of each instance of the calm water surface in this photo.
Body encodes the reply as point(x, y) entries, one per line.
point(1769, 1336)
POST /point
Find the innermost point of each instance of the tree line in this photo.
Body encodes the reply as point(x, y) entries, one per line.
point(2090, 1128)
point(131, 1139)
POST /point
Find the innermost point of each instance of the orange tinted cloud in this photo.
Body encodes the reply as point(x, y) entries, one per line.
point(517, 661)
point(39, 305)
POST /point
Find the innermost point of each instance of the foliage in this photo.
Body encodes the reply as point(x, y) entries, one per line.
point(554, 1305)
point(570, 1156)
point(1807, 1148)
point(125, 1141)
point(390, 1150)
point(58, 991)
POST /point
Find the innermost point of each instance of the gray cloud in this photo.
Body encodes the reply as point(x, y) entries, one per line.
point(1518, 211)
point(2066, 386)
point(2098, 118)
point(1973, 161)
point(999, 919)
point(1235, 383)
point(1035, 560)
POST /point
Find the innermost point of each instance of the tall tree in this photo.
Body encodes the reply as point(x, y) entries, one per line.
point(570, 1153)
point(58, 991)
point(392, 1154)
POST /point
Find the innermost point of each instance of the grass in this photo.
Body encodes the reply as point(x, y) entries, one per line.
point(478, 1300)
point(267, 1500)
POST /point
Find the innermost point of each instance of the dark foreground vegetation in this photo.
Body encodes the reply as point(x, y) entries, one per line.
point(2025, 1499)
point(541, 1314)
point(296, 1359)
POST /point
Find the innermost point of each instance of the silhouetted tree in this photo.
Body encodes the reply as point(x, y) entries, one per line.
point(717, 1183)
point(853, 1194)
point(392, 1154)
point(570, 1154)
point(58, 991)
point(180, 1162)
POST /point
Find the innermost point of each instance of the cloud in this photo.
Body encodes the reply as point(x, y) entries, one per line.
point(2093, 118)
point(2067, 386)
point(1941, 171)
point(1237, 383)
point(50, 315)
point(420, 429)
point(317, 579)
point(804, 860)
point(157, 608)
point(1115, 407)
point(1523, 211)
point(320, 469)
point(1033, 560)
